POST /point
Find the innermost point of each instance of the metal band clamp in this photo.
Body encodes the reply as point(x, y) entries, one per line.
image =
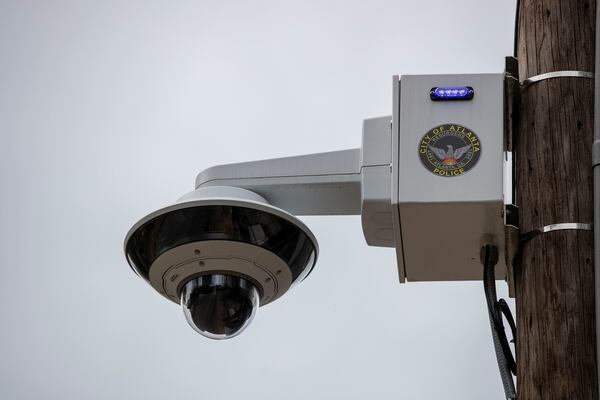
point(567, 226)
point(557, 74)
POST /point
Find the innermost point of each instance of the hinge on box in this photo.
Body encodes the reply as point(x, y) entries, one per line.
point(511, 240)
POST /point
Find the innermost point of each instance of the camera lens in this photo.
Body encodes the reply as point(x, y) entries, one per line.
point(219, 306)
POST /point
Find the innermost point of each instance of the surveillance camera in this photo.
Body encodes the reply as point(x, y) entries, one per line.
point(427, 181)
point(221, 252)
point(235, 244)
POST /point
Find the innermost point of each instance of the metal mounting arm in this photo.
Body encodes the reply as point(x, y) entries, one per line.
point(347, 182)
point(313, 184)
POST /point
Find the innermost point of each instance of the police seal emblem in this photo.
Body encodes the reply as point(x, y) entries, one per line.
point(449, 150)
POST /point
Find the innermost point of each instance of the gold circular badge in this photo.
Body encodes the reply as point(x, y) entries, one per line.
point(449, 150)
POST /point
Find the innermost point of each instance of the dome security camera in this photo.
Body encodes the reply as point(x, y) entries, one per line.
point(427, 181)
point(235, 244)
point(221, 252)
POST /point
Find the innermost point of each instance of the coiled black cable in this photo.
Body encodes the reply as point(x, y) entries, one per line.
point(496, 310)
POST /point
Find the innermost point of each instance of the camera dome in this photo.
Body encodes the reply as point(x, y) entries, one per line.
point(219, 306)
point(221, 252)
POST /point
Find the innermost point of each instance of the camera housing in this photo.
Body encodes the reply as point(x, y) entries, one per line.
point(224, 231)
point(241, 222)
point(428, 180)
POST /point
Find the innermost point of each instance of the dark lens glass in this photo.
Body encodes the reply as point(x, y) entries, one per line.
point(219, 306)
point(193, 224)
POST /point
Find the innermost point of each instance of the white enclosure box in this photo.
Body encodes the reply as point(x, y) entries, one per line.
point(447, 178)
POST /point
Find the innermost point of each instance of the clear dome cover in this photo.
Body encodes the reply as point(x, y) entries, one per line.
point(219, 306)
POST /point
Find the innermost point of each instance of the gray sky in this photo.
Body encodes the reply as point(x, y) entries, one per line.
point(108, 109)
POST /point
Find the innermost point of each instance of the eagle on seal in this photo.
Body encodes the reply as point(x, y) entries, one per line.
point(449, 156)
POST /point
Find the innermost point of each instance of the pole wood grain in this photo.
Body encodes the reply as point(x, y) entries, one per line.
point(554, 275)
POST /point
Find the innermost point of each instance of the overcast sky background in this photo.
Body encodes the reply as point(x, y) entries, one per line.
point(108, 109)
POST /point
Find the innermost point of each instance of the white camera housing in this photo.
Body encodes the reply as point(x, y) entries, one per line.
point(218, 250)
point(428, 180)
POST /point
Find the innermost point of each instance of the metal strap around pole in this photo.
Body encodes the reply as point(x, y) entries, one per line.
point(567, 226)
point(556, 74)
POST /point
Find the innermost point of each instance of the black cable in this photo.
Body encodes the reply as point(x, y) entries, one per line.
point(498, 308)
point(505, 309)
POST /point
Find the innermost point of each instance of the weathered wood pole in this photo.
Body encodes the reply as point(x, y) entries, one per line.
point(556, 350)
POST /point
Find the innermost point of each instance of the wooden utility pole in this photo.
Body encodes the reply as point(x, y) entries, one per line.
point(554, 276)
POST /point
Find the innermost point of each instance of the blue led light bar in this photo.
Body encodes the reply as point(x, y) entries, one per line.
point(451, 93)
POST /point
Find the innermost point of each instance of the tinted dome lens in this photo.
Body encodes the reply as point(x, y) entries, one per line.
point(219, 306)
